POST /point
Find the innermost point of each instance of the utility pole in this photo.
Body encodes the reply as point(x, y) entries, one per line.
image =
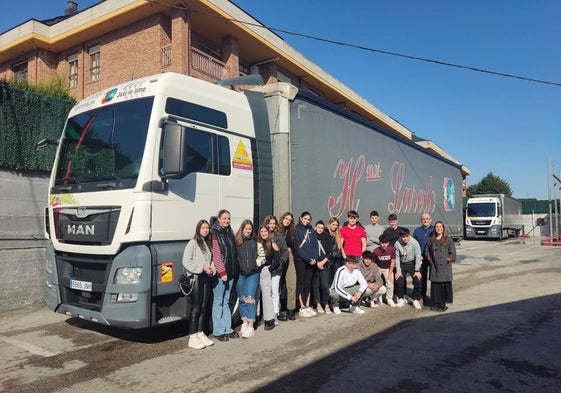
point(556, 201)
point(549, 201)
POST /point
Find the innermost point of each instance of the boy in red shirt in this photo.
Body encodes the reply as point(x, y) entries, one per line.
point(353, 237)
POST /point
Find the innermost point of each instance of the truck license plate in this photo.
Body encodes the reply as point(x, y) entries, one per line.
point(81, 285)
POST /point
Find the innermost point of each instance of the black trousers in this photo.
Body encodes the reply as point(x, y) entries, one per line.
point(200, 304)
point(424, 277)
point(400, 284)
point(320, 285)
point(304, 276)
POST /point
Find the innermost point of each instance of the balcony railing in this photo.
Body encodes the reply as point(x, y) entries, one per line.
point(166, 55)
point(207, 64)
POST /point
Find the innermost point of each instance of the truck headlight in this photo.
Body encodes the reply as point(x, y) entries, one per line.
point(128, 275)
point(49, 266)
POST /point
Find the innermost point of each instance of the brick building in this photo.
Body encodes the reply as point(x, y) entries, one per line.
point(118, 40)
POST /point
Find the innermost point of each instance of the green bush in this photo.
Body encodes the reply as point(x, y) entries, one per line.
point(26, 117)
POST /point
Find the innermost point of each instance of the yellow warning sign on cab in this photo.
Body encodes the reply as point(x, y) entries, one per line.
point(166, 273)
point(241, 159)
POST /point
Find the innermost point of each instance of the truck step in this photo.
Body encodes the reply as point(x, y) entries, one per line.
point(171, 318)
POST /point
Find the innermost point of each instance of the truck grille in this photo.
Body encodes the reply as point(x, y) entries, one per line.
point(481, 222)
point(85, 269)
point(89, 226)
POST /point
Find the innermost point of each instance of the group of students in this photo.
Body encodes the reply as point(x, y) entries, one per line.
point(319, 269)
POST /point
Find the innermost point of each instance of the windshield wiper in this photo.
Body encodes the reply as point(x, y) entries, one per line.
point(67, 179)
point(111, 185)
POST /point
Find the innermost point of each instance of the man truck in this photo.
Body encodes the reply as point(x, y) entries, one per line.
point(140, 163)
point(493, 216)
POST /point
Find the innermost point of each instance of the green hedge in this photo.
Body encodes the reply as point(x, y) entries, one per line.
point(25, 118)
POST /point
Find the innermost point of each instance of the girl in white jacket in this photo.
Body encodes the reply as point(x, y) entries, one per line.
point(197, 261)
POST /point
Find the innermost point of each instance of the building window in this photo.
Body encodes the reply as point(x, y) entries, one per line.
point(206, 46)
point(20, 71)
point(95, 62)
point(73, 70)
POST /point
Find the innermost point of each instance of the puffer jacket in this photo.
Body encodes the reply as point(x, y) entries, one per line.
point(247, 256)
point(228, 251)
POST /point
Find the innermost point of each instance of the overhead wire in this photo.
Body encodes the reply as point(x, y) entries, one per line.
point(374, 50)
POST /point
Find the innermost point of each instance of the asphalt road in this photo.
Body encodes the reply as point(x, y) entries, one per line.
point(502, 334)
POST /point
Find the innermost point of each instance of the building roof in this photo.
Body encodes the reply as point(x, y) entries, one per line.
point(260, 45)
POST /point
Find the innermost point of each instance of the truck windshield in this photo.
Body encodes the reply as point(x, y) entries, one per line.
point(102, 149)
point(481, 209)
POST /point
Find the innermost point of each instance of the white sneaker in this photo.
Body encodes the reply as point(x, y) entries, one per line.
point(304, 313)
point(358, 310)
point(248, 332)
point(390, 302)
point(336, 310)
point(195, 342)
point(204, 339)
point(417, 305)
point(374, 304)
point(243, 328)
point(320, 310)
point(328, 310)
point(400, 303)
point(311, 311)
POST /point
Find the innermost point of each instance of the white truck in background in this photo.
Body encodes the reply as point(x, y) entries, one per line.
point(493, 216)
point(140, 163)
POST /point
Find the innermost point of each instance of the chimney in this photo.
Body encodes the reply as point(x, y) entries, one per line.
point(71, 8)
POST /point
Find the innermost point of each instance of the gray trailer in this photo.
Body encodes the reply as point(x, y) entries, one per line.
point(327, 161)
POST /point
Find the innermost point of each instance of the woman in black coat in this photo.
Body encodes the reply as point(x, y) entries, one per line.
point(440, 253)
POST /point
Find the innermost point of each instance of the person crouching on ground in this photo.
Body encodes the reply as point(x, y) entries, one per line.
point(408, 260)
point(371, 273)
point(348, 284)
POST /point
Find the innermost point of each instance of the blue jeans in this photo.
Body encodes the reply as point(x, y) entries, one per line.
point(247, 288)
point(221, 314)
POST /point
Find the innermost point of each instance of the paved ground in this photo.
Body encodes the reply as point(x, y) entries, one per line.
point(502, 334)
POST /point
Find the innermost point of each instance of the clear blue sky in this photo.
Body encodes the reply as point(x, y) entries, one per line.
point(489, 123)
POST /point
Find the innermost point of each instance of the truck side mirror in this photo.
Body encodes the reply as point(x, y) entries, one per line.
point(44, 143)
point(172, 152)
